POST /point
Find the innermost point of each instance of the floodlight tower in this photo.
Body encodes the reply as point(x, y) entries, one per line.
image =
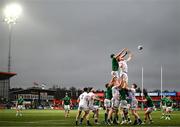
point(11, 15)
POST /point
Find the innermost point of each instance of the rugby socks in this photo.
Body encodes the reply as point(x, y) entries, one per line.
point(81, 120)
point(76, 122)
point(88, 123)
point(96, 120)
point(105, 117)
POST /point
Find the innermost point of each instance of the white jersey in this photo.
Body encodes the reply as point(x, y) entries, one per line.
point(83, 99)
point(115, 92)
point(132, 92)
point(123, 66)
point(91, 97)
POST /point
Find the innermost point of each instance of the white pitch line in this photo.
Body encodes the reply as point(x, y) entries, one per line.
point(40, 121)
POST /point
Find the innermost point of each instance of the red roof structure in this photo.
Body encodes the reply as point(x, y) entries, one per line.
point(6, 75)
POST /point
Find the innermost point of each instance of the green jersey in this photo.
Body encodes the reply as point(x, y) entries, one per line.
point(96, 102)
point(66, 100)
point(108, 93)
point(20, 101)
point(163, 101)
point(169, 102)
point(115, 65)
point(122, 93)
point(149, 101)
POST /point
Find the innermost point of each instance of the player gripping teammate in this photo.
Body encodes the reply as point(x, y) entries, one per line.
point(19, 106)
point(150, 107)
point(124, 106)
point(107, 100)
point(115, 101)
point(94, 109)
point(163, 107)
point(169, 104)
point(83, 101)
point(66, 103)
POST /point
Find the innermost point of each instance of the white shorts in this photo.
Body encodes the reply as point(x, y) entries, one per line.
point(150, 109)
point(83, 108)
point(66, 107)
point(163, 107)
point(115, 103)
point(20, 107)
point(115, 73)
point(123, 104)
point(92, 107)
point(134, 104)
point(169, 109)
point(107, 103)
point(96, 107)
point(124, 76)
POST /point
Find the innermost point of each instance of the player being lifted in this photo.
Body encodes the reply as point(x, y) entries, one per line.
point(169, 104)
point(134, 104)
point(122, 61)
point(83, 101)
point(150, 107)
point(19, 106)
point(66, 103)
point(115, 66)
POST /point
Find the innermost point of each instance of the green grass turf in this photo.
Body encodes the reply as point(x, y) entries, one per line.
point(56, 118)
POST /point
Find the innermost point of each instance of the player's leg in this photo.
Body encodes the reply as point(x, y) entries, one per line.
point(107, 105)
point(96, 117)
point(87, 117)
point(65, 111)
point(146, 115)
point(115, 116)
point(124, 116)
point(133, 106)
point(110, 116)
point(68, 110)
point(78, 116)
point(168, 112)
point(106, 115)
point(20, 111)
point(17, 110)
point(163, 108)
point(150, 117)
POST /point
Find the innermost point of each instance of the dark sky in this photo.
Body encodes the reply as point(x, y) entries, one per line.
point(69, 42)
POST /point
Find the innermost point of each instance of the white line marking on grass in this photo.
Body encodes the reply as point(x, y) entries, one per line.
point(19, 122)
point(40, 121)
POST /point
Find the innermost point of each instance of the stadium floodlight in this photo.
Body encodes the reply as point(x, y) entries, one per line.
point(12, 13)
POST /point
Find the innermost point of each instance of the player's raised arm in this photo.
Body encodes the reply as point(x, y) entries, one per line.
point(120, 53)
point(130, 56)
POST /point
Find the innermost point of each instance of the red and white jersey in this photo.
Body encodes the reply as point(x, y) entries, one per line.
point(131, 93)
point(115, 92)
point(123, 66)
point(91, 96)
point(83, 99)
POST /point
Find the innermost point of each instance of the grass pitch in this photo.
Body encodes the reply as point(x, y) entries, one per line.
point(56, 118)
